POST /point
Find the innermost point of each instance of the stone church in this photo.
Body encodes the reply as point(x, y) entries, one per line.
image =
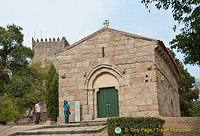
point(113, 73)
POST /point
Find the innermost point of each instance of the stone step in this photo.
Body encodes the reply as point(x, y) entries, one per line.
point(60, 131)
point(63, 135)
point(76, 124)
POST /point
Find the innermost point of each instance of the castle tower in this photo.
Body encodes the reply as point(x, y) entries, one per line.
point(46, 49)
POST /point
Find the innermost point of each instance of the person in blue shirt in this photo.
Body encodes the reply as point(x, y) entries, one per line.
point(66, 111)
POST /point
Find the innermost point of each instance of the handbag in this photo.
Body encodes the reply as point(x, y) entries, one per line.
point(69, 112)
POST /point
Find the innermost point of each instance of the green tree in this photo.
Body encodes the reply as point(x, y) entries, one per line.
point(196, 108)
point(23, 83)
point(18, 86)
point(14, 57)
point(185, 12)
point(29, 86)
point(38, 75)
point(8, 110)
point(186, 88)
point(51, 98)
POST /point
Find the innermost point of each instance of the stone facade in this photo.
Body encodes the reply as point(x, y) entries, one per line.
point(140, 68)
point(46, 49)
point(167, 85)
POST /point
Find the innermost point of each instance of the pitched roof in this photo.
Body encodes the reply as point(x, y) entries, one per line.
point(100, 31)
point(111, 30)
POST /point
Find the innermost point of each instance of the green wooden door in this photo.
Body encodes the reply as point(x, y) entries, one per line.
point(107, 103)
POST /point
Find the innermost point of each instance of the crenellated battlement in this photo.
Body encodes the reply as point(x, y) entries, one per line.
point(46, 48)
point(50, 40)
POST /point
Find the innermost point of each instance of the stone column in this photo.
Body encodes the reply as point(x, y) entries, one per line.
point(91, 103)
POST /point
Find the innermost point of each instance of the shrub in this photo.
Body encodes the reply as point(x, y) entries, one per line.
point(137, 126)
point(8, 110)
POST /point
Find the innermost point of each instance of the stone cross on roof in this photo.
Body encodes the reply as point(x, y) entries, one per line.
point(106, 23)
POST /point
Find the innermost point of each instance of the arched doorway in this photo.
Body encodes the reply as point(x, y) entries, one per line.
point(103, 85)
point(107, 102)
point(107, 95)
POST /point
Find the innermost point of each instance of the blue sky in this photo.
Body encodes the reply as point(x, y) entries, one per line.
point(76, 19)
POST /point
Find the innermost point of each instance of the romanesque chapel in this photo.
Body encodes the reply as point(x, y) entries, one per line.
point(113, 73)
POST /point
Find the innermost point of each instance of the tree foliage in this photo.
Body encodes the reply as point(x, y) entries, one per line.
point(22, 83)
point(186, 88)
point(185, 12)
point(18, 86)
point(196, 108)
point(51, 98)
point(8, 110)
point(14, 57)
point(38, 75)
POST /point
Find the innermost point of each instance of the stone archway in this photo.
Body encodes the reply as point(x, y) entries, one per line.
point(102, 76)
point(105, 79)
point(103, 68)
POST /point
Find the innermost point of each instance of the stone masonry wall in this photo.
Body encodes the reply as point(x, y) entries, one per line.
point(45, 50)
point(132, 55)
point(167, 86)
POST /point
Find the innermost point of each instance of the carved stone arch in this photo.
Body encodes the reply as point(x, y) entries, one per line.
point(104, 80)
point(103, 69)
point(101, 76)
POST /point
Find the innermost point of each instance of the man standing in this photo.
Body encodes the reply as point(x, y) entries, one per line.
point(38, 112)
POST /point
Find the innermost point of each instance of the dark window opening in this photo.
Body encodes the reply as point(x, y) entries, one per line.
point(172, 108)
point(103, 53)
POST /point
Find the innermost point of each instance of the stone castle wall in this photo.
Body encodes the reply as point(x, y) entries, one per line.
point(134, 57)
point(46, 49)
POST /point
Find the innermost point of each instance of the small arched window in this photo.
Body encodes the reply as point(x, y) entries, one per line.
point(103, 52)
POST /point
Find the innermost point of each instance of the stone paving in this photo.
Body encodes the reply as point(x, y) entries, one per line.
point(9, 129)
point(63, 135)
point(61, 129)
point(192, 123)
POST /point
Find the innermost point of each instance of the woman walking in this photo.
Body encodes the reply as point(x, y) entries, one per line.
point(30, 116)
point(66, 111)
